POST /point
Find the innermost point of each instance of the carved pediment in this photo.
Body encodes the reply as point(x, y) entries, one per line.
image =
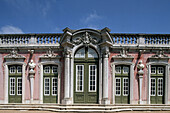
point(14, 55)
point(85, 39)
point(159, 55)
point(50, 54)
point(123, 54)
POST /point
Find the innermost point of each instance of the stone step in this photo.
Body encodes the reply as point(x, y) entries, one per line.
point(84, 108)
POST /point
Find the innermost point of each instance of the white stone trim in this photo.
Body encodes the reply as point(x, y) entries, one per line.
point(6, 64)
point(166, 80)
point(52, 62)
point(131, 64)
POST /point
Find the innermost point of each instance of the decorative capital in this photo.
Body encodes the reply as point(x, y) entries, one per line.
point(67, 53)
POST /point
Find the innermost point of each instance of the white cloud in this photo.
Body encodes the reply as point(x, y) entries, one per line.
point(10, 30)
point(92, 17)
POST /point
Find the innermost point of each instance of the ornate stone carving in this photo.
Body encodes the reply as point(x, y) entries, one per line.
point(14, 54)
point(140, 67)
point(123, 54)
point(85, 39)
point(159, 54)
point(49, 54)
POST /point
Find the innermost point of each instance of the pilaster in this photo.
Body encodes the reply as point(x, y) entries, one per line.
point(105, 99)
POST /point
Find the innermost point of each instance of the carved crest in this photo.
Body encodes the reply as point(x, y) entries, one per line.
point(123, 54)
point(14, 54)
point(85, 39)
point(49, 54)
point(159, 54)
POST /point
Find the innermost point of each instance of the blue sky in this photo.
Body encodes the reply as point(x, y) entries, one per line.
point(52, 16)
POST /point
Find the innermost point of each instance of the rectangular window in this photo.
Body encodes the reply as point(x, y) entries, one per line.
point(19, 69)
point(118, 69)
point(153, 70)
point(118, 86)
point(160, 70)
point(46, 86)
point(54, 85)
point(160, 86)
point(12, 86)
point(47, 69)
point(125, 69)
point(79, 78)
point(12, 69)
point(19, 86)
point(153, 86)
point(54, 69)
point(125, 86)
point(92, 77)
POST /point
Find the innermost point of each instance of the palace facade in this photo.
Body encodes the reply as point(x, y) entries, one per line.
point(85, 66)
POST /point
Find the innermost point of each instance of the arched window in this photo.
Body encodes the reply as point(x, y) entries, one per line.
point(92, 53)
point(80, 53)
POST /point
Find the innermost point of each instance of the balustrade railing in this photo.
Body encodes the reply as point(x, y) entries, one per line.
point(125, 39)
point(148, 40)
point(15, 39)
point(157, 40)
point(48, 39)
point(29, 39)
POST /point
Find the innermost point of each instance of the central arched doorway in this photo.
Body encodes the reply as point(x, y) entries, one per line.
point(86, 76)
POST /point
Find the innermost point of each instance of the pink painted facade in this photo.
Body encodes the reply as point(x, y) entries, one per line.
point(66, 47)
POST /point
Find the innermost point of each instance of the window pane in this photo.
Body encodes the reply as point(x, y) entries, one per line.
point(54, 69)
point(47, 69)
point(19, 86)
point(79, 78)
point(125, 69)
point(160, 87)
point(92, 53)
point(118, 86)
point(153, 86)
point(12, 69)
point(160, 70)
point(92, 77)
point(19, 69)
point(46, 86)
point(153, 70)
point(54, 86)
point(118, 69)
point(12, 86)
point(125, 86)
point(80, 53)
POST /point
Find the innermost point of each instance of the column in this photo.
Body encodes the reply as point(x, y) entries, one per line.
point(140, 88)
point(67, 99)
point(31, 86)
point(105, 78)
